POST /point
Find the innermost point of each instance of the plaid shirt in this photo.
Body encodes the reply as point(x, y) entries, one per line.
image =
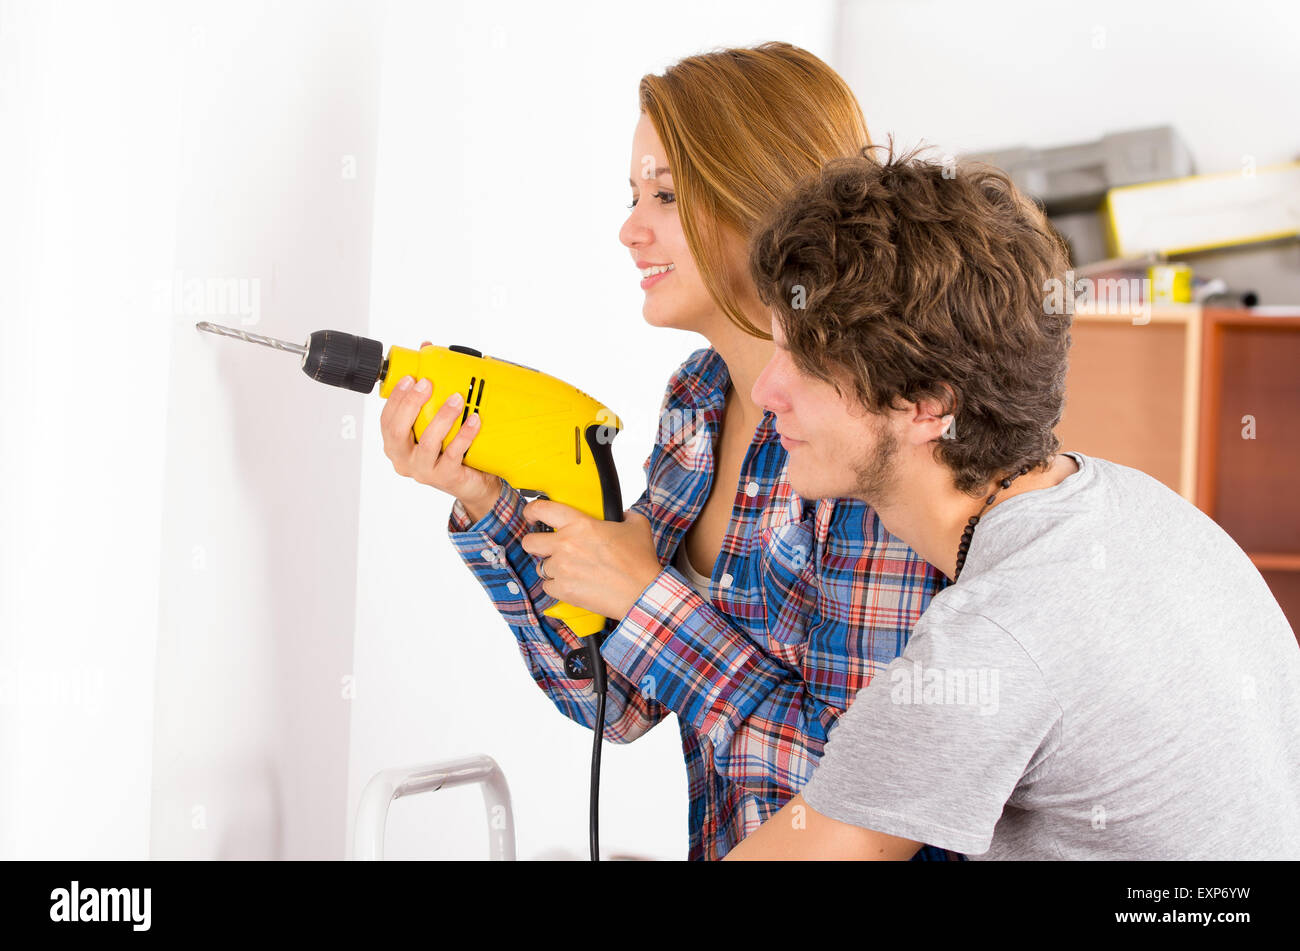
point(808, 601)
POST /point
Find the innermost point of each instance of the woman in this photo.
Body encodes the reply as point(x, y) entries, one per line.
point(752, 614)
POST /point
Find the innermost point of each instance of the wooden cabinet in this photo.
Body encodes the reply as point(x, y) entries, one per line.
point(1248, 448)
point(1208, 402)
point(1133, 392)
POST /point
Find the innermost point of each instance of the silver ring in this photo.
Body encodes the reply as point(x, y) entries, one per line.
point(541, 570)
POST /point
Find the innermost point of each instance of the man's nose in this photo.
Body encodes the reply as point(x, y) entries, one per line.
point(766, 392)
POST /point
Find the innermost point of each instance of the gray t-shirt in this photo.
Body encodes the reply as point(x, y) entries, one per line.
point(1111, 678)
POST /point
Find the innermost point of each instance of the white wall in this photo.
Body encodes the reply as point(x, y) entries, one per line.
point(974, 76)
point(87, 188)
point(180, 511)
point(505, 141)
point(278, 111)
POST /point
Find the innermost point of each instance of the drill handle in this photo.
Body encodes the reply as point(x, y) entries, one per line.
point(600, 440)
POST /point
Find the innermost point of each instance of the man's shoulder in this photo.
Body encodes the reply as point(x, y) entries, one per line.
point(1119, 497)
point(1101, 495)
point(1108, 472)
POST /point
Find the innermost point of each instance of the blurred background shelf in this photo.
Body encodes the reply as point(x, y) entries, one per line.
point(1132, 393)
point(1207, 400)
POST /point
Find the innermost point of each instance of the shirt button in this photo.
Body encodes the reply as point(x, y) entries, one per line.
point(489, 554)
point(752, 489)
point(725, 580)
point(512, 587)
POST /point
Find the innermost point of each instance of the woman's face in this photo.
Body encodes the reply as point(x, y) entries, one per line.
point(653, 233)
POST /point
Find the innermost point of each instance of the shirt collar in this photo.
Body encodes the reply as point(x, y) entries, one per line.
point(708, 389)
point(708, 384)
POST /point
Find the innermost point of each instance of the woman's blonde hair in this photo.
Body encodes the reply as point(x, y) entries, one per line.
point(741, 127)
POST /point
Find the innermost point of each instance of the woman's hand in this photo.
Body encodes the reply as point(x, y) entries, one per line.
point(590, 563)
point(426, 461)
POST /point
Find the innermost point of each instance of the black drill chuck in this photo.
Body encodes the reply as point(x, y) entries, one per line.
point(339, 359)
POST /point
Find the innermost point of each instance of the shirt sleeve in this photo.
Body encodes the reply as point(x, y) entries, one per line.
point(492, 549)
point(766, 729)
point(933, 747)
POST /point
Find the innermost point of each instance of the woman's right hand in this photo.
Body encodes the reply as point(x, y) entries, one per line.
point(426, 461)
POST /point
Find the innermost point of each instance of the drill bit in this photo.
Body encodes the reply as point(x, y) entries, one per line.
point(271, 342)
point(329, 356)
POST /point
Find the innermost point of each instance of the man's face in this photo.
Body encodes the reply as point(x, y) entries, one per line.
point(837, 449)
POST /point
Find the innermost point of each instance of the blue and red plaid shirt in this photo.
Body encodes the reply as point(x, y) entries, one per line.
point(808, 601)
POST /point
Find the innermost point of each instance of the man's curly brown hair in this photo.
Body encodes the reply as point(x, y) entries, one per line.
point(919, 280)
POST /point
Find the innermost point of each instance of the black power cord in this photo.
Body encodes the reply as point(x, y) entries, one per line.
point(598, 736)
point(582, 663)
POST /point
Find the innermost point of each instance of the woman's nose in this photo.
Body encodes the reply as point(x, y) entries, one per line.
point(634, 233)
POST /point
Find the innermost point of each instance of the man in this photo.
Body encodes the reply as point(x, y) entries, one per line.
point(1109, 676)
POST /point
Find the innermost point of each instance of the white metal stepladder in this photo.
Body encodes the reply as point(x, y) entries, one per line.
point(389, 784)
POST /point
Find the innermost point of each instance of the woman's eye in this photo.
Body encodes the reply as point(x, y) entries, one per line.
point(666, 197)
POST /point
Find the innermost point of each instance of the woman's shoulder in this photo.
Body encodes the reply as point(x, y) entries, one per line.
point(700, 373)
point(684, 407)
point(695, 394)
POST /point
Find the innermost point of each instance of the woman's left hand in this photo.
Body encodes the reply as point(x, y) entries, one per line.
point(590, 563)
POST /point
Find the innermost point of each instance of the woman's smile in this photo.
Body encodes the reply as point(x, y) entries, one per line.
point(653, 273)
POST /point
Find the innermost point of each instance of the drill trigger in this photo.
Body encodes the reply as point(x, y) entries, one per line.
point(531, 494)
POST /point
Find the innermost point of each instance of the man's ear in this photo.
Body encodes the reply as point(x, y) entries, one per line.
point(933, 415)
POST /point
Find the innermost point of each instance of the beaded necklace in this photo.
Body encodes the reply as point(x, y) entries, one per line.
point(969, 533)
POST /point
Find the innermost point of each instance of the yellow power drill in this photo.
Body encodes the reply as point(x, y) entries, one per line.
point(541, 435)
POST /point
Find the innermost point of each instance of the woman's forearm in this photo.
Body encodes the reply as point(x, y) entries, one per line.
point(477, 507)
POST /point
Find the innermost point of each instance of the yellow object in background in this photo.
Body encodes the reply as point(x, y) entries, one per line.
point(1170, 283)
point(1200, 212)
